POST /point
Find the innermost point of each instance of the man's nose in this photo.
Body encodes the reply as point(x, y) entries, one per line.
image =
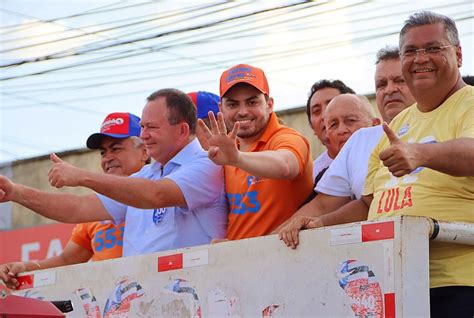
point(421, 57)
point(391, 88)
point(106, 157)
point(144, 133)
point(342, 129)
point(243, 110)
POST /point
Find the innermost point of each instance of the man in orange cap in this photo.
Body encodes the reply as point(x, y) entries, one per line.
point(268, 167)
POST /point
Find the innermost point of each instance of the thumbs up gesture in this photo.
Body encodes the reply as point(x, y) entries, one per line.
point(62, 173)
point(400, 157)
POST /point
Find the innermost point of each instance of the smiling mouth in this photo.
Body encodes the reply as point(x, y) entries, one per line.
point(424, 70)
point(244, 121)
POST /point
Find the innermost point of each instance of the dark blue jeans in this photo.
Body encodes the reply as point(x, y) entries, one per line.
point(452, 301)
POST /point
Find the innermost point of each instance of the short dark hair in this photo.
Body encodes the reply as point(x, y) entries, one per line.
point(427, 17)
point(387, 53)
point(180, 107)
point(325, 83)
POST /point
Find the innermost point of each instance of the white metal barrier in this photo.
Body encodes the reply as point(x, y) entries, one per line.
point(377, 269)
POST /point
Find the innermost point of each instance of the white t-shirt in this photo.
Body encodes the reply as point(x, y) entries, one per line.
point(346, 174)
point(322, 162)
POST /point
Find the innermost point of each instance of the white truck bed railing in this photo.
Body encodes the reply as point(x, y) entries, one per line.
point(377, 269)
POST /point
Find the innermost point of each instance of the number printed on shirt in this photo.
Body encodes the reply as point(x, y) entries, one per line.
point(108, 238)
point(241, 204)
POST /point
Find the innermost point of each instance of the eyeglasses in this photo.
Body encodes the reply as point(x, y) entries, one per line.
point(432, 50)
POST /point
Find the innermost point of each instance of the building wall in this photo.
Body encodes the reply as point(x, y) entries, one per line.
point(297, 119)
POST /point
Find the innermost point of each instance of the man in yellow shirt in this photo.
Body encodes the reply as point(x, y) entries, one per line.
point(424, 164)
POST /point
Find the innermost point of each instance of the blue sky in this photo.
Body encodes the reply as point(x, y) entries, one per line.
point(66, 64)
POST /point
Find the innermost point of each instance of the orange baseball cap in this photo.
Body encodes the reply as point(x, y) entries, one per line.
point(244, 73)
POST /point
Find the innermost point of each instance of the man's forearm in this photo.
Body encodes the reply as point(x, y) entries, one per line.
point(137, 192)
point(321, 204)
point(66, 208)
point(72, 254)
point(310, 209)
point(275, 164)
point(354, 211)
point(454, 157)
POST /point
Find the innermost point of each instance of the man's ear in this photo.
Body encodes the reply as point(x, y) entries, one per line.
point(184, 130)
point(459, 55)
point(145, 157)
point(270, 104)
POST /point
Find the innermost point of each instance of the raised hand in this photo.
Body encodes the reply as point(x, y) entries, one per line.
point(63, 174)
point(400, 158)
point(6, 189)
point(222, 145)
point(201, 133)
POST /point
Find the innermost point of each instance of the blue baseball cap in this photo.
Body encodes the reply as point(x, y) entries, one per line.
point(116, 125)
point(205, 102)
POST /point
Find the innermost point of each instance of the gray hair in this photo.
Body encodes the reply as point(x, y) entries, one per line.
point(137, 141)
point(387, 53)
point(428, 17)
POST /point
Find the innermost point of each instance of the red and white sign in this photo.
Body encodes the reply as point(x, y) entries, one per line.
point(34, 243)
point(183, 260)
point(39, 279)
point(363, 233)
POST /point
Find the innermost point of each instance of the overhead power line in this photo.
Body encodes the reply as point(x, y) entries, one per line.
point(205, 25)
point(96, 32)
point(85, 13)
point(95, 25)
point(148, 50)
point(151, 28)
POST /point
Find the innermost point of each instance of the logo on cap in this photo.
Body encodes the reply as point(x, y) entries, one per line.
point(116, 125)
point(109, 122)
point(244, 73)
